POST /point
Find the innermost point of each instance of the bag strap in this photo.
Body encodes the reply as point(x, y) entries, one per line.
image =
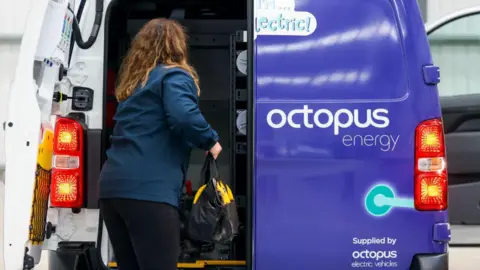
point(210, 169)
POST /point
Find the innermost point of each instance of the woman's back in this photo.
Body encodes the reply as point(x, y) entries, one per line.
point(150, 145)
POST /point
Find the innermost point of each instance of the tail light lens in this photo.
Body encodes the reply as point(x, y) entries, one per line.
point(67, 170)
point(431, 183)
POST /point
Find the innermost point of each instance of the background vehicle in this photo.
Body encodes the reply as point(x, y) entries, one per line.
point(74, 231)
point(455, 44)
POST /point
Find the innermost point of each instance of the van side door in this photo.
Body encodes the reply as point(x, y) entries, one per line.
point(43, 51)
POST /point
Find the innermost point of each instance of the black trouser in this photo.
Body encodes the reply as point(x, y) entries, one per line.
point(144, 235)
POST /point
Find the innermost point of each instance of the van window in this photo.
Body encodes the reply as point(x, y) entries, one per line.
point(455, 48)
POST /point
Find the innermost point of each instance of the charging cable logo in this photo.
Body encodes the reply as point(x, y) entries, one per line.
point(323, 118)
point(380, 199)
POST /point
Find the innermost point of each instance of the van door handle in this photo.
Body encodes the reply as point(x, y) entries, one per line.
point(431, 74)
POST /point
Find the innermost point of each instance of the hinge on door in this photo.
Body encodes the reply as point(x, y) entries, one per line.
point(28, 261)
point(431, 74)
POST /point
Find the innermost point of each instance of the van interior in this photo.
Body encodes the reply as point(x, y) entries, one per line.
point(217, 35)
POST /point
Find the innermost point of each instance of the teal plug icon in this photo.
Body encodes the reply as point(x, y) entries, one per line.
point(381, 199)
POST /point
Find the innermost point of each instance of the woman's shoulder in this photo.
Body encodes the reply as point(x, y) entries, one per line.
point(174, 73)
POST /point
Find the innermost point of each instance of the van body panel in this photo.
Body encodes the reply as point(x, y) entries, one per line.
point(22, 137)
point(10, 41)
point(318, 168)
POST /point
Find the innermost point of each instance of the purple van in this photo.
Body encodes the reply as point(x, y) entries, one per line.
point(349, 162)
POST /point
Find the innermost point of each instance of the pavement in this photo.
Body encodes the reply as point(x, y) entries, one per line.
point(464, 258)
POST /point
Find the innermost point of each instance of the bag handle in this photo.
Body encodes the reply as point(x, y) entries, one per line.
point(210, 169)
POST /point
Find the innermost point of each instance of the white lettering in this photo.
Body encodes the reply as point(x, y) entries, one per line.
point(338, 124)
point(306, 120)
point(381, 118)
point(290, 119)
point(282, 122)
point(385, 142)
point(316, 118)
point(323, 118)
point(347, 140)
point(377, 255)
point(367, 122)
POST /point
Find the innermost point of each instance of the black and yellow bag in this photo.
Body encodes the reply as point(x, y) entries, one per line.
point(214, 217)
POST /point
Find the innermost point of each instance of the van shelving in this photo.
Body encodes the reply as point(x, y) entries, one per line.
point(239, 159)
point(241, 95)
point(239, 82)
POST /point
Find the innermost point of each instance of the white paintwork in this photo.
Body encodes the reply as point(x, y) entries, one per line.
point(87, 65)
point(24, 113)
point(86, 69)
point(29, 105)
point(12, 22)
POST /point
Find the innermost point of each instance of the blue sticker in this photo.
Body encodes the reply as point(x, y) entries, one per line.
point(279, 18)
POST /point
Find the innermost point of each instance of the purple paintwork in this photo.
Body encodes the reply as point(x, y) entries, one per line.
point(310, 184)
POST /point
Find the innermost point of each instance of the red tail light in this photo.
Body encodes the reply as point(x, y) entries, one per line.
point(431, 184)
point(67, 171)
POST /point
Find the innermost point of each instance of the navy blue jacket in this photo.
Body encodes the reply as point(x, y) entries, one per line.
point(155, 130)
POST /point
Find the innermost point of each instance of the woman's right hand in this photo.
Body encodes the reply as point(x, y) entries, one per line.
point(215, 151)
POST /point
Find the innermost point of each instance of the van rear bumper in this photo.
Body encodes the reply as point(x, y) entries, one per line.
point(430, 262)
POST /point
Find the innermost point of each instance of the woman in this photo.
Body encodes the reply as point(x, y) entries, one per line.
point(157, 124)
